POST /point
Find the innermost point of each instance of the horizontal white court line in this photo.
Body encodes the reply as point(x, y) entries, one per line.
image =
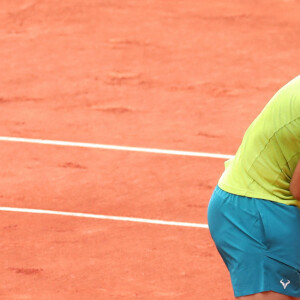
point(102, 217)
point(112, 147)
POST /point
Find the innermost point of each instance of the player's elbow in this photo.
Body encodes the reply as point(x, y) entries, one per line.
point(295, 182)
point(295, 190)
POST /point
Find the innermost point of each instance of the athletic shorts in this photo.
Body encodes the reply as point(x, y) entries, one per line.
point(259, 241)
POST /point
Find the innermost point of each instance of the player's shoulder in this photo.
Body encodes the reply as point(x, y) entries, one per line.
point(289, 91)
point(294, 83)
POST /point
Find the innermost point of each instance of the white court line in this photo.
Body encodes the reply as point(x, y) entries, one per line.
point(112, 147)
point(108, 147)
point(103, 217)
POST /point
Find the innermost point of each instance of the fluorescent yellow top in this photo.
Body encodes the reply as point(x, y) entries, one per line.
point(265, 161)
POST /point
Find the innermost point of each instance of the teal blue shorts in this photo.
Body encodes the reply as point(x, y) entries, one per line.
point(259, 241)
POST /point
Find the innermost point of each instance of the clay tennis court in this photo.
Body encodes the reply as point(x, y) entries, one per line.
point(180, 75)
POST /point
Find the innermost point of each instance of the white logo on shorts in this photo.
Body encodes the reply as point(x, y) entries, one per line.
point(284, 284)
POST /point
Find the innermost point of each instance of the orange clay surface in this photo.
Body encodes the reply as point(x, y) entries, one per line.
point(184, 75)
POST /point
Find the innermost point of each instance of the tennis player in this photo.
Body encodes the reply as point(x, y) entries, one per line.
point(254, 212)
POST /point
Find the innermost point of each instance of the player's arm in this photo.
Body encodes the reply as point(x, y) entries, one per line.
point(295, 182)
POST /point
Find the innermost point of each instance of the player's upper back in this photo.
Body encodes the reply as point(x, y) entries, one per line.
point(270, 150)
